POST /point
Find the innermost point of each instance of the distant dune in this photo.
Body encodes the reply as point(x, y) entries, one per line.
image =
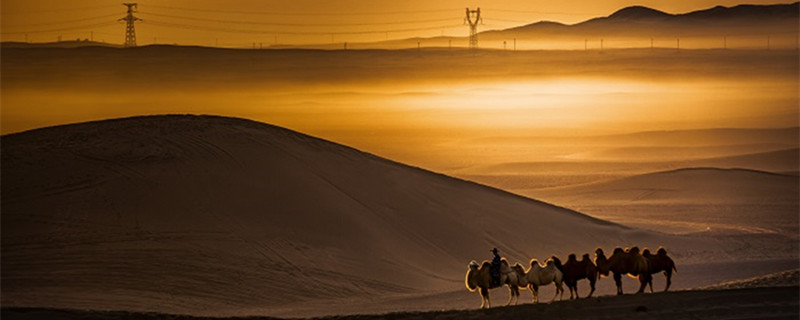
point(703, 185)
point(691, 200)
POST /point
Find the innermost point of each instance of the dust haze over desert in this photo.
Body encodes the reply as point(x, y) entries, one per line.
point(251, 164)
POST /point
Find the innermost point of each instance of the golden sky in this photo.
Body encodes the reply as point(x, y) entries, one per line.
point(240, 23)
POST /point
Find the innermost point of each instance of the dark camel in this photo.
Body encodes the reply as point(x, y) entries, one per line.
point(658, 263)
point(575, 270)
point(622, 262)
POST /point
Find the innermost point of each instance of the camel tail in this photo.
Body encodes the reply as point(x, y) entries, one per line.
point(674, 268)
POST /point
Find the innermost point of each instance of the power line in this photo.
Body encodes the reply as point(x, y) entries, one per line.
point(296, 24)
point(70, 9)
point(320, 33)
point(275, 13)
point(85, 27)
point(540, 12)
point(66, 21)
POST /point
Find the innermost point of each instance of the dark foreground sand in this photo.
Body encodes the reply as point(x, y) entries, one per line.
point(751, 303)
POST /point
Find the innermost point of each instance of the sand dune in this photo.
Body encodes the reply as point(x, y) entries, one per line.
point(691, 200)
point(527, 177)
point(208, 215)
point(218, 216)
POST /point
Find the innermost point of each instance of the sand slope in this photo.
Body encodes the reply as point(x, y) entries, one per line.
point(210, 215)
point(755, 303)
point(691, 200)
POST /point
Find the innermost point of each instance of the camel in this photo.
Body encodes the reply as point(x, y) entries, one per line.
point(621, 262)
point(540, 275)
point(575, 270)
point(479, 277)
point(658, 263)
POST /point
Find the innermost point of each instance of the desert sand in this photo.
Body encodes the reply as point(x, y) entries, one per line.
point(215, 216)
point(351, 182)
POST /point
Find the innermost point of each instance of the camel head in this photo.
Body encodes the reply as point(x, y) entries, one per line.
point(518, 269)
point(602, 263)
point(599, 252)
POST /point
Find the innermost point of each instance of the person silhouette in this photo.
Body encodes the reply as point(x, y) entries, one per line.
point(494, 270)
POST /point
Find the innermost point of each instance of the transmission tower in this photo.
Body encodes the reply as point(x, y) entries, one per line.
point(473, 18)
point(130, 32)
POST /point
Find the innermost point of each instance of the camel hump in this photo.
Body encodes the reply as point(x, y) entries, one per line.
point(534, 262)
point(634, 250)
point(585, 257)
point(646, 252)
point(661, 251)
point(473, 264)
point(617, 250)
point(486, 265)
point(599, 251)
point(571, 257)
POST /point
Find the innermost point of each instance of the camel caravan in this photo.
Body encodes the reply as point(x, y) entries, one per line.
point(497, 273)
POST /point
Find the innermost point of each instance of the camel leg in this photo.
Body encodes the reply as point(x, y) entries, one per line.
point(569, 287)
point(484, 298)
point(560, 288)
point(643, 280)
point(592, 284)
point(668, 276)
point(534, 292)
point(650, 284)
point(618, 282)
point(555, 295)
point(510, 294)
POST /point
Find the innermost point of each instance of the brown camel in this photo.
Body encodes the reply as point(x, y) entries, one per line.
point(658, 263)
point(622, 262)
point(479, 277)
point(540, 275)
point(575, 270)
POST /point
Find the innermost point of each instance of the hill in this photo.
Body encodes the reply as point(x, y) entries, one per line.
point(222, 216)
point(691, 200)
point(638, 22)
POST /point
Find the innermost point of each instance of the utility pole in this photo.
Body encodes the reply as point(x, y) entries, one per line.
point(130, 32)
point(473, 18)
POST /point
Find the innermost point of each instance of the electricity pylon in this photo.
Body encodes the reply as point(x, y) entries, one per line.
point(473, 18)
point(130, 32)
